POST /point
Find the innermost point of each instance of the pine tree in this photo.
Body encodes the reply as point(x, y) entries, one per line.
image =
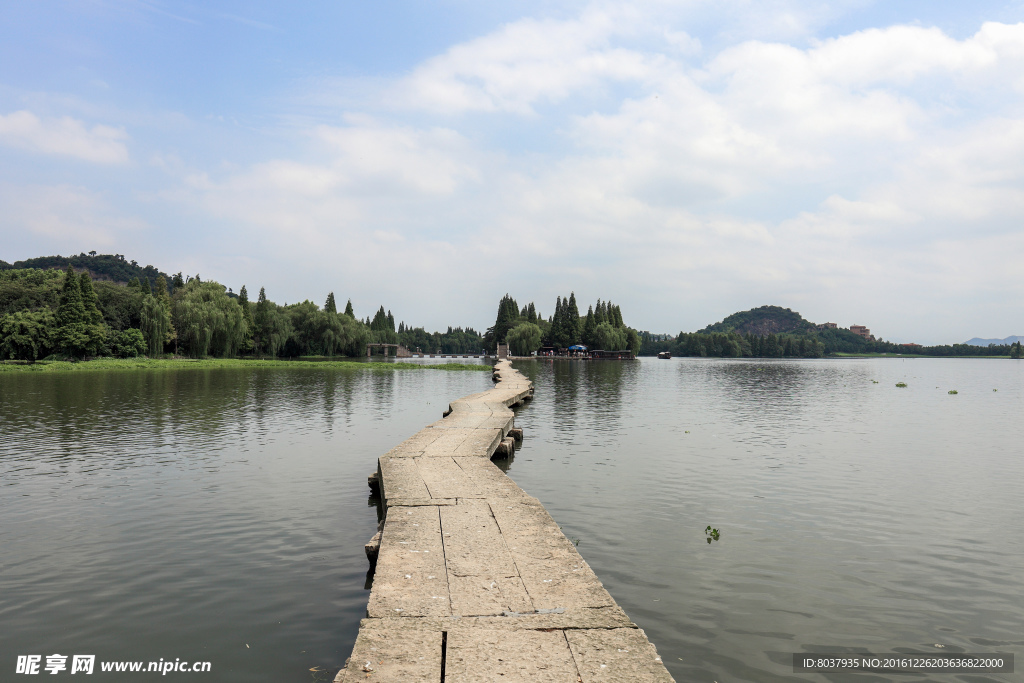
point(89, 300)
point(573, 328)
point(348, 310)
point(249, 318)
point(262, 322)
point(589, 326)
point(330, 306)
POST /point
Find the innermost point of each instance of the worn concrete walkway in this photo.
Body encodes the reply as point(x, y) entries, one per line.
point(474, 580)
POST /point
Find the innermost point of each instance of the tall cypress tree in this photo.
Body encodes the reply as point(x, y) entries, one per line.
point(330, 306)
point(589, 326)
point(250, 320)
point(89, 300)
point(71, 336)
point(508, 315)
point(348, 310)
point(262, 322)
point(573, 329)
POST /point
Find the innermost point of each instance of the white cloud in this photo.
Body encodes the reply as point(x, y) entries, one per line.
point(64, 216)
point(529, 62)
point(64, 136)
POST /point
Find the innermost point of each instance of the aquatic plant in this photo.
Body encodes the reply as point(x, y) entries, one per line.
point(952, 391)
point(901, 385)
point(712, 534)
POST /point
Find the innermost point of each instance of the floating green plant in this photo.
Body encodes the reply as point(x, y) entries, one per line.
point(874, 381)
point(576, 542)
point(952, 391)
point(901, 385)
point(712, 534)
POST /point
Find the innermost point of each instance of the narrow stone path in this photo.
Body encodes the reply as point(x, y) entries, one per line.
point(474, 580)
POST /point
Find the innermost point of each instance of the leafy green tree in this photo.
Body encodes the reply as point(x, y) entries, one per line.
point(29, 290)
point(330, 306)
point(609, 338)
point(155, 323)
point(523, 339)
point(25, 335)
point(1015, 351)
point(589, 327)
point(207, 321)
point(349, 311)
point(128, 343)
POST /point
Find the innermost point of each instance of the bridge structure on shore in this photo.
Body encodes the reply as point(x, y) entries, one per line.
point(474, 580)
point(400, 351)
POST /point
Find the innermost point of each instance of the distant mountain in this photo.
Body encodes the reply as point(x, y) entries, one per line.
point(100, 266)
point(762, 321)
point(985, 342)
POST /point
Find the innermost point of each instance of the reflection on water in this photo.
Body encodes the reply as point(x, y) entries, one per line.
point(211, 515)
point(854, 516)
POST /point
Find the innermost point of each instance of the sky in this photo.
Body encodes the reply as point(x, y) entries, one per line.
point(859, 162)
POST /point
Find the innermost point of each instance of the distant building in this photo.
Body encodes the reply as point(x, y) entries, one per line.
point(861, 331)
point(911, 346)
point(826, 326)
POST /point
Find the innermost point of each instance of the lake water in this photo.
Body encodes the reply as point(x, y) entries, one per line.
point(854, 516)
point(219, 515)
point(215, 515)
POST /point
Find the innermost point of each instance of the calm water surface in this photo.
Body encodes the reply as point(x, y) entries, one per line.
point(854, 515)
point(213, 515)
point(220, 515)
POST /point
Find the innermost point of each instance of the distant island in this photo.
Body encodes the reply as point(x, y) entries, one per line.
point(776, 332)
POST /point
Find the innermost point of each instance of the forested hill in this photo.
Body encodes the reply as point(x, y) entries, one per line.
point(762, 321)
point(112, 267)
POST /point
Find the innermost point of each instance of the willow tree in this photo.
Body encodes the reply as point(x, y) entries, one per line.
point(156, 324)
point(523, 339)
point(207, 321)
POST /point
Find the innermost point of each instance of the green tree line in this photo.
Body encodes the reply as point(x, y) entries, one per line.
point(809, 344)
point(49, 313)
point(525, 330)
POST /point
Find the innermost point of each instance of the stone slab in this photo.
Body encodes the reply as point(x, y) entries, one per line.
point(400, 478)
point(375, 657)
point(410, 579)
point(480, 656)
point(621, 655)
point(445, 479)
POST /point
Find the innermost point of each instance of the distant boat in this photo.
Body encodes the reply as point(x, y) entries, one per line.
point(665, 355)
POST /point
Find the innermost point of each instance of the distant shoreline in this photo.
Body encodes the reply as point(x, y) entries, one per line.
point(220, 363)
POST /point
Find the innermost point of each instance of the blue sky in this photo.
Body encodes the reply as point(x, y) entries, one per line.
point(859, 162)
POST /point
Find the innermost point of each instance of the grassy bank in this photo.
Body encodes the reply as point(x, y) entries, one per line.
point(210, 363)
